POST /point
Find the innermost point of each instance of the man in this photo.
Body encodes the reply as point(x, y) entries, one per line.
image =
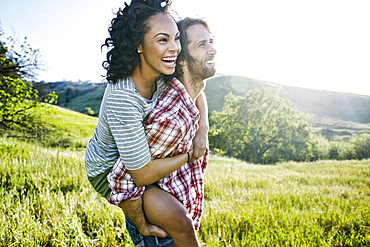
point(170, 129)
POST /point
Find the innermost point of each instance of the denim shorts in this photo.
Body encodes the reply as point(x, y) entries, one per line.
point(146, 241)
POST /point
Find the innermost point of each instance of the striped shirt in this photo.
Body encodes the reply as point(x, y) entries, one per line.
point(170, 129)
point(120, 130)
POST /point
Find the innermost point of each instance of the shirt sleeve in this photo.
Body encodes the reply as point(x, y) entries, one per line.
point(164, 136)
point(122, 185)
point(125, 118)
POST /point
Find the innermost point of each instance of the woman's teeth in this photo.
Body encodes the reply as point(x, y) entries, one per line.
point(170, 61)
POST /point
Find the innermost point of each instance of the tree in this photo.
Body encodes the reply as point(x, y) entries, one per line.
point(14, 106)
point(89, 111)
point(258, 122)
point(19, 61)
point(17, 97)
point(361, 146)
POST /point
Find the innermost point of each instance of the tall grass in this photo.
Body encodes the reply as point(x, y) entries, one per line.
point(290, 204)
point(46, 200)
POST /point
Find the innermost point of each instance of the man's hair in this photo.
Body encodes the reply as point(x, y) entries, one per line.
point(126, 33)
point(183, 25)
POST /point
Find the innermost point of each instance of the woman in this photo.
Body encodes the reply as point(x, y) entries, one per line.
point(144, 43)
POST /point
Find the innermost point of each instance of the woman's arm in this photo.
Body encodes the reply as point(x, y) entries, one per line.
point(157, 169)
point(201, 139)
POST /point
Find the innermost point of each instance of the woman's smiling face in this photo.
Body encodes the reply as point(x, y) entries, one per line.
point(161, 45)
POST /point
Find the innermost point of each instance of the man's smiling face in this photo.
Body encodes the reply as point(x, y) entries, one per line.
point(201, 53)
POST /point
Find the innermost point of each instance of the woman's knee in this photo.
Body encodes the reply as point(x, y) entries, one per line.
point(184, 223)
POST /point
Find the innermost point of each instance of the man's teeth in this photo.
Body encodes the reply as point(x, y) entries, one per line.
point(210, 62)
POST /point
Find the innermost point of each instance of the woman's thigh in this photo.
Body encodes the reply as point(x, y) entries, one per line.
point(164, 210)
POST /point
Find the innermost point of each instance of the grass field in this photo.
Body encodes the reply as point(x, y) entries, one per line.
point(46, 200)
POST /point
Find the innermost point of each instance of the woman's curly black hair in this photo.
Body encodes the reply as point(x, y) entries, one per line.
point(127, 32)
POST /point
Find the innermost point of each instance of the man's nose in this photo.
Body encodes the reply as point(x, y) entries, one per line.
point(212, 50)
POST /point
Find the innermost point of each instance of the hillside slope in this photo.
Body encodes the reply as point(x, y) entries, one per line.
point(335, 115)
point(343, 106)
point(65, 128)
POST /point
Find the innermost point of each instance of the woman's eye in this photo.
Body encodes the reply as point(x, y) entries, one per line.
point(163, 40)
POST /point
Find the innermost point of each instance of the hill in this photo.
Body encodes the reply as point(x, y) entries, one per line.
point(343, 106)
point(75, 96)
point(59, 127)
point(337, 116)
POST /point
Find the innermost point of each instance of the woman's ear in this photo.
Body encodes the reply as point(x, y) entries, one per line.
point(139, 49)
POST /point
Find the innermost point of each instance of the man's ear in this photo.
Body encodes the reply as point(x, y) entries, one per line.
point(183, 63)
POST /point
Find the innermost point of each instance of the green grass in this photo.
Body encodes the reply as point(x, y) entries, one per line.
point(290, 204)
point(71, 125)
point(46, 200)
point(57, 127)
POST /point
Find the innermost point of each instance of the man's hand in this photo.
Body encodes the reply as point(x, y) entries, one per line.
point(134, 212)
point(200, 141)
point(148, 229)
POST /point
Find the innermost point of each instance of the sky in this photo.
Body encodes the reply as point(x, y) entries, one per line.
point(317, 44)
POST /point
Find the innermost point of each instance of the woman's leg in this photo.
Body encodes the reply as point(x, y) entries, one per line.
point(164, 210)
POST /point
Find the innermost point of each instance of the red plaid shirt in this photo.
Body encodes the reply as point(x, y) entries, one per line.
point(170, 129)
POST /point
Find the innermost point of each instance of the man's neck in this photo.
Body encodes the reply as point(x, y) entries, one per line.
point(193, 86)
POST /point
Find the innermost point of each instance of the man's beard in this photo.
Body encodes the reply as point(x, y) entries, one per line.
point(198, 69)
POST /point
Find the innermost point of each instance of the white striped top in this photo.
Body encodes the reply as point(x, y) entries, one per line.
point(120, 130)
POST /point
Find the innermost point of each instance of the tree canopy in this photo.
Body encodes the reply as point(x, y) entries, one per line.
point(18, 64)
point(258, 123)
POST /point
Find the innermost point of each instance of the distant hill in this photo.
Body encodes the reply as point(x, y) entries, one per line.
point(76, 96)
point(335, 115)
point(343, 106)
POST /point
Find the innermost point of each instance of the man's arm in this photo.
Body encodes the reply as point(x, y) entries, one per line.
point(201, 139)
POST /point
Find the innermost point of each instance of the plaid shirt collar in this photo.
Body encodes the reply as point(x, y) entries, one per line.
point(185, 97)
